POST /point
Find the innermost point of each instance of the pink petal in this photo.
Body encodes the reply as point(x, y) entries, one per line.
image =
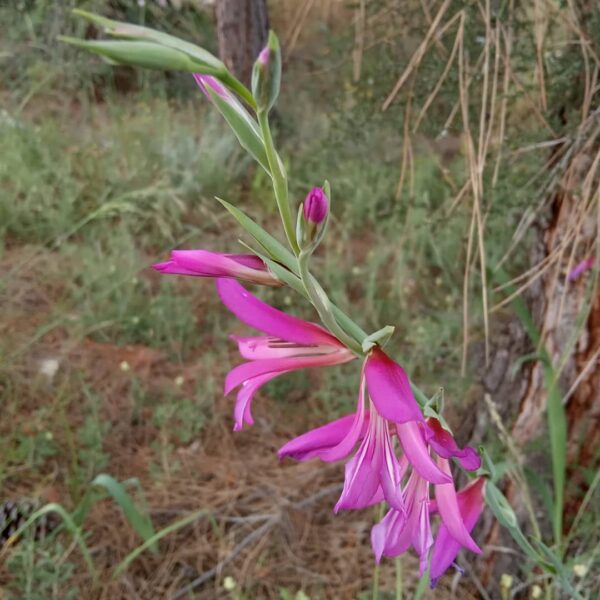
point(262, 347)
point(450, 513)
point(241, 412)
point(396, 531)
point(205, 81)
point(361, 481)
point(357, 430)
point(446, 548)
point(216, 264)
point(249, 370)
point(202, 263)
point(445, 445)
point(417, 453)
point(256, 313)
point(422, 537)
point(389, 389)
point(391, 472)
point(170, 267)
point(391, 536)
point(582, 267)
point(318, 442)
point(374, 465)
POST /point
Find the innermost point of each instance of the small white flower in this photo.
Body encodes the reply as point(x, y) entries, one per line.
point(229, 583)
point(49, 367)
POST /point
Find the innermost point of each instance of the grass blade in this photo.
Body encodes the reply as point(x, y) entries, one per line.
point(124, 564)
point(141, 523)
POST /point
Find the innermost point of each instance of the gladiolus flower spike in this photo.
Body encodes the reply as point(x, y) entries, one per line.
point(375, 472)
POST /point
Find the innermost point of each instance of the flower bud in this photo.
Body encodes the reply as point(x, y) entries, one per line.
point(316, 206)
point(202, 263)
point(312, 219)
point(266, 74)
point(243, 125)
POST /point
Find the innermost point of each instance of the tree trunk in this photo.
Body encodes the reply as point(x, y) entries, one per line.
point(242, 28)
point(567, 315)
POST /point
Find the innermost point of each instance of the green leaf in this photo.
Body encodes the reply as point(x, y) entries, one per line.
point(140, 54)
point(274, 248)
point(141, 523)
point(555, 410)
point(379, 337)
point(201, 57)
point(244, 127)
point(283, 274)
point(327, 190)
point(505, 514)
point(541, 487)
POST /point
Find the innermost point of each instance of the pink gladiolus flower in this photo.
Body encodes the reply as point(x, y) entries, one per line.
point(202, 263)
point(290, 344)
point(582, 267)
point(375, 472)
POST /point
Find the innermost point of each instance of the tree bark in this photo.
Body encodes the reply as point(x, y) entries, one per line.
point(567, 315)
point(242, 28)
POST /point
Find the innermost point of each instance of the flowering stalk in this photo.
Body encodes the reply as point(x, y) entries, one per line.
point(280, 184)
point(396, 448)
point(322, 304)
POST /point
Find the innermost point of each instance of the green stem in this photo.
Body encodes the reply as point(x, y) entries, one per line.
point(239, 88)
point(399, 585)
point(279, 182)
point(322, 304)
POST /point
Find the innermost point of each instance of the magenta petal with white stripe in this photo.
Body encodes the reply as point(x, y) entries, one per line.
point(243, 403)
point(254, 368)
point(374, 466)
point(264, 348)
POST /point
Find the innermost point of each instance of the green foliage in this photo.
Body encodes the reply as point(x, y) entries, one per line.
point(38, 573)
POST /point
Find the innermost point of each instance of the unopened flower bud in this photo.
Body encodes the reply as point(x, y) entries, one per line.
point(316, 206)
point(243, 125)
point(266, 74)
point(263, 57)
point(312, 219)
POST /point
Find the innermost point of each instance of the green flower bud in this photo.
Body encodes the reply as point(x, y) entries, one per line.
point(266, 74)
